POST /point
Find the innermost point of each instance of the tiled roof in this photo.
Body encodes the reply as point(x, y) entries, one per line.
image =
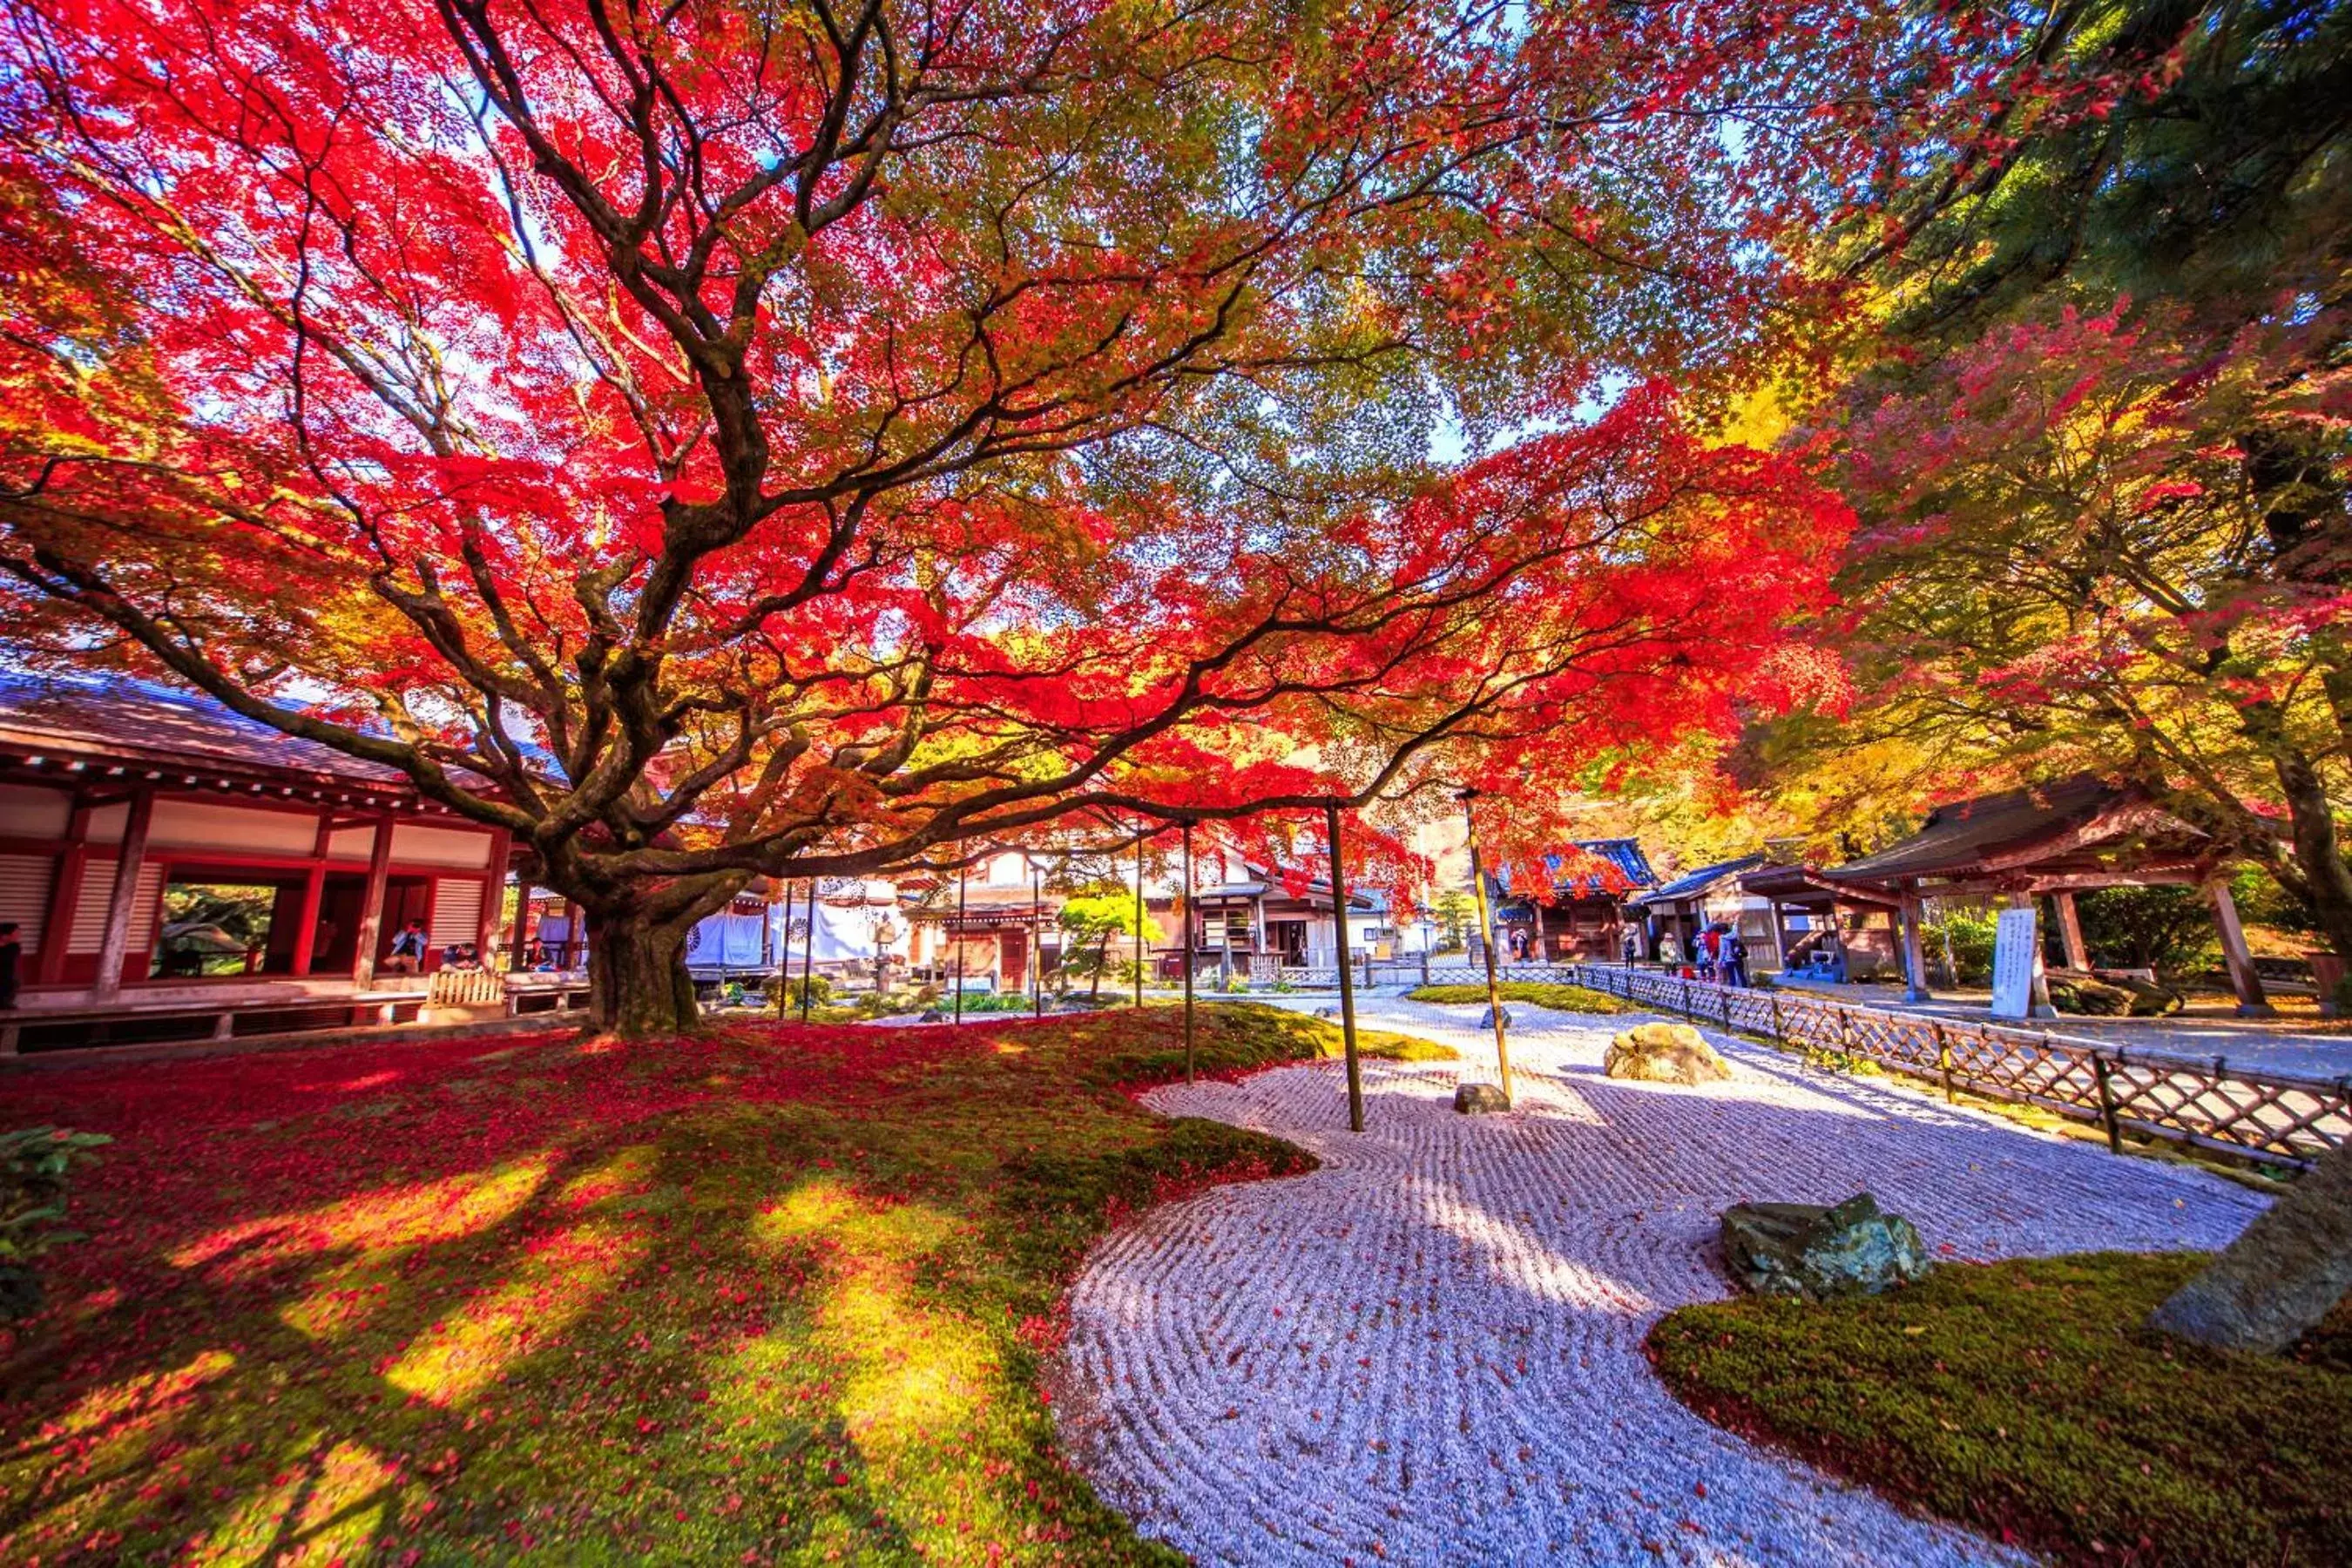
point(1962, 835)
point(1700, 881)
point(1625, 854)
point(139, 720)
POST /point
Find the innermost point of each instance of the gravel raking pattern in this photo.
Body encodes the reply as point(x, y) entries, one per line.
point(1430, 1350)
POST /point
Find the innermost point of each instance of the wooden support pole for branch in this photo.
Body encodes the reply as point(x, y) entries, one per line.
point(1188, 953)
point(1347, 978)
point(961, 873)
point(808, 954)
point(1139, 922)
point(1486, 939)
point(784, 957)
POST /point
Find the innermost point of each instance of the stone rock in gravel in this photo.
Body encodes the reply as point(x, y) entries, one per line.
point(1664, 1053)
point(1327, 1012)
point(1805, 1249)
point(1476, 1099)
point(932, 1016)
point(1486, 1018)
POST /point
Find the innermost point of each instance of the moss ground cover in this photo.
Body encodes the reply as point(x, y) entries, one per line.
point(2028, 1400)
point(1536, 994)
point(775, 1295)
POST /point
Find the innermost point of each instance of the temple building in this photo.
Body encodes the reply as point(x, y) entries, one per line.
point(160, 855)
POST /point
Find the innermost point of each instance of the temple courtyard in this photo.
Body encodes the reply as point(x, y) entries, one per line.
point(966, 1294)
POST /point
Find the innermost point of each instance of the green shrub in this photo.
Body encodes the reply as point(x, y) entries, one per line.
point(35, 1162)
point(1535, 992)
point(1968, 935)
point(820, 990)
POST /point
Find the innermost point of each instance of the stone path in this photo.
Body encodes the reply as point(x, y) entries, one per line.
point(1429, 1351)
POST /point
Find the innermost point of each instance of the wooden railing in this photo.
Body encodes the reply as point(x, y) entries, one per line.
point(2244, 1113)
point(466, 988)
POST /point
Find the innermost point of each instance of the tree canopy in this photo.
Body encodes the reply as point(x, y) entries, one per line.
point(730, 439)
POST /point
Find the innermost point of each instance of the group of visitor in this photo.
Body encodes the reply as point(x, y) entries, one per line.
point(1718, 956)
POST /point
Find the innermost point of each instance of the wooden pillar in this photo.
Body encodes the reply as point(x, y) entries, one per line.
point(2069, 931)
point(114, 945)
point(1915, 956)
point(2244, 979)
point(518, 938)
point(372, 904)
point(314, 889)
point(494, 895)
point(65, 896)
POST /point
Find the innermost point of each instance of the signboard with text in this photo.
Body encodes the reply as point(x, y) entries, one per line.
point(2016, 950)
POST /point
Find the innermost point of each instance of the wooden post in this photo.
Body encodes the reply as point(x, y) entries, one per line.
point(2069, 931)
point(1915, 956)
point(2244, 979)
point(65, 896)
point(1188, 953)
point(1139, 922)
point(808, 954)
point(494, 895)
point(371, 934)
point(784, 958)
point(114, 943)
point(519, 935)
point(314, 889)
point(2107, 1103)
point(1944, 1060)
point(962, 872)
point(1486, 940)
point(1346, 980)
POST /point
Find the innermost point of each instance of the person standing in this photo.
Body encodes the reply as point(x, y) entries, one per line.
point(1734, 960)
point(1632, 946)
point(12, 949)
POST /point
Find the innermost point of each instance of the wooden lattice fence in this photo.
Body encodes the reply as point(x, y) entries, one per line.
point(2248, 1113)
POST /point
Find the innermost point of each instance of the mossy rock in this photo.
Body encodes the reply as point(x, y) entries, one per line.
point(1807, 1250)
point(1664, 1053)
point(2090, 998)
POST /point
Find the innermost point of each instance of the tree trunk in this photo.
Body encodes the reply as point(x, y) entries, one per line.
point(638, 988)
point(2273, 1284)
point(1102, 959)
point(2318, 851)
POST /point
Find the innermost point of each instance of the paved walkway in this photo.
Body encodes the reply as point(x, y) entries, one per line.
point(1429, 1351)
point(2208, 1028)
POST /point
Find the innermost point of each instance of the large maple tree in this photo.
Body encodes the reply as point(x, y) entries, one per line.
point(732, 438)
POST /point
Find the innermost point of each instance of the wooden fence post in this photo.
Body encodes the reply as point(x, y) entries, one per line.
point(1778, 1032)
point(2107, 1103)
point(1944, 1061)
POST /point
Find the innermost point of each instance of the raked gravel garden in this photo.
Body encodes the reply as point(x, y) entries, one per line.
point(1431, 1349)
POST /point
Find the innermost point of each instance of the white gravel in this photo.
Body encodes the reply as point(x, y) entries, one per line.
point(1430, 1350)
